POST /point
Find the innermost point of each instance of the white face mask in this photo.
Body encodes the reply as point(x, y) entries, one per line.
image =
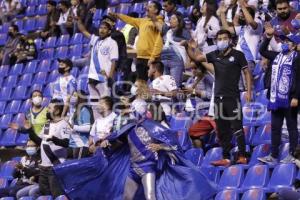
point(222, 45)
point(31, 151)
point(133, 90)
point(227, 3)
point(37, 101)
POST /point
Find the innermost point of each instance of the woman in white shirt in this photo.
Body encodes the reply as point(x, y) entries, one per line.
point(207, 27)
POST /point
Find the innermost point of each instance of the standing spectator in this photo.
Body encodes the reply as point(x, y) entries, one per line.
point(81, 123)
point(207, 27)
point(77, 11)
point(35, 117)
point(11, 44)
point(90, 7)
point(65, 21)
point(227, 62)
point(24, 52)
point(104, 55)
point(150, 43)
point(174, 54)
point(169, 8)
point(248, 29)
point(284, 92)
point(65, 85)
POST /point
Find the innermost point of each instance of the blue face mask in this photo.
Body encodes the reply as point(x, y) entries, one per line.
point(31, 151)
point(284, 48)
point(222, 45)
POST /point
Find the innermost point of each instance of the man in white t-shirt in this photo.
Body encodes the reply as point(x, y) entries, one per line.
point(162, 85)
point(104, 54)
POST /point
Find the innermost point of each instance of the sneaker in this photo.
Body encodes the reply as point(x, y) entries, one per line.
point(242, 160)
point(222, 162)
point(268, 159)
point(288, 159)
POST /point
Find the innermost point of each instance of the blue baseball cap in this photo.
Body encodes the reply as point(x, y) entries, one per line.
point(293, 37)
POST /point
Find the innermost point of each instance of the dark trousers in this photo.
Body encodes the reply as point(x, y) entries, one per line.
point(142, 69)
point(228, 117)
point(77, 153)
point(48, 182)
point(277, 117)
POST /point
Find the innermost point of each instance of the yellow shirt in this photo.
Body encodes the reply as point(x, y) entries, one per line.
point(38, 120)
point(150, 41)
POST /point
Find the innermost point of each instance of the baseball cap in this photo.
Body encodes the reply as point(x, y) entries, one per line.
point(293, 37)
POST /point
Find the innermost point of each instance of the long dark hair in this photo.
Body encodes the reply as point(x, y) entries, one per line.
point(181, 24)
point(211, 9)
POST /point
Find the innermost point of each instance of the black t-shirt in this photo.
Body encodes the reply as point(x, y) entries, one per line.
point(227, 72)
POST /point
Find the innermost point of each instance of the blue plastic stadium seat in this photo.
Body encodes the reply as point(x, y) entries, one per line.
point(44, 66)
point(97, 14)
point(4, 28)
point(254, 194)
point(212, 173)
point(16, 69)
point(75, 71)
point(282, 177)
point(7, 198)
point(124, 8)
point(212, 155)
point(13, 107)
point(2, 107)
point(1, 81)
point(20, 93)
point(9, 138)
point(5, 120)
point(249, 132)
point(77, 38)
point(25, 80)
point(30, 67)
point(47, 54)
point(41, 9)
point(138, 7)
point(3, 183)
point(32, 2)
point(63, 40)
point(61, 197)
point(10, 81)
point(114, 2)
point(36, 87)
point(29, 24)
point(54, 65)
point(30, 11)
point(53, 76)
point(7, 170)
point(48, 91)
point(46, 101)
point(3, 39)
point(84, 70)
point(19, 23)
point(120, 24)
point(82, 84)
point(41, 22)
point(19, 119)
point(50, 42)
point(227, 195)
point(232, 177)
point(284, 150)
point(257, 177)
point(43, 2)
point(45, 198)
point(40, 78)
point(4, 69)
point(262, 135)
point(22, 139)
point(25, 106)
point(76, 51)
point(195, 156)
point(38, 43)
point(261, 150)
point(5, 93)
point(61, 52)
point(26, 198)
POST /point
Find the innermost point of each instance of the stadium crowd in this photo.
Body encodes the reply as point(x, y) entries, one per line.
point(170, 61)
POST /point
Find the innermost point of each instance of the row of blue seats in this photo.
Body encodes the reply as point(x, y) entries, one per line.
point(72, 52)
point(252, 194)
point(62, 197)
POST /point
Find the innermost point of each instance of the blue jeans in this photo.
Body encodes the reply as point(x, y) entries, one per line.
point(175, 69)
point(30, 190)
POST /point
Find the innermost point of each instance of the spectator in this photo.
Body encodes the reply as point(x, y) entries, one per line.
point(284, 92)
point(65, 85)
point(35, 117)
point(207, 27)
point(129, 31)
point(9, 9)
point(169, 8)
point(249, 31)
point(51, 29)
point(65, 21)
point(11, 44)
point(174, 54)
point(104, 55)
point(232, 8)
point(90, 7)
point(26, 172)
point(77, 11)
point(149, 44)
point(81, 125)
point(227, 62)
point(24, 52)
point(195, 15)
point(103, 126)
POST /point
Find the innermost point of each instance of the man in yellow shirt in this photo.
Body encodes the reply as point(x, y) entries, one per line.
point(150, 42)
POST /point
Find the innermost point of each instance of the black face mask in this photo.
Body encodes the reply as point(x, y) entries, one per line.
point(10, 34)
point(62, 70)
point(49, 116)
point(242, 22)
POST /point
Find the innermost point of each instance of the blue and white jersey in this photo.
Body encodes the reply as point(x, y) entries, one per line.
point(63, 87)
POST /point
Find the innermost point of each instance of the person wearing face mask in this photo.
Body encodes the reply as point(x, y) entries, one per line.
point(283, 92)
point(65, 85)
point(35, 117)
point(103, 125)
point(26, 172)
point(227, 62)
point(81, 123)
point(11, 44)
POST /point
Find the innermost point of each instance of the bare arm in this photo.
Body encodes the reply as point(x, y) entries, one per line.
point(224, 22)
point(248, 17)
point(209, 67)
point(112, 69)
point(82, 29)
point(248, 77)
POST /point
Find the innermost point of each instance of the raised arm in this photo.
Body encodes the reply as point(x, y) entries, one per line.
point(83, 29)
point(263, 50)
point(128, 20)
point(249, 19)
point(224, 22)
point(194, 53)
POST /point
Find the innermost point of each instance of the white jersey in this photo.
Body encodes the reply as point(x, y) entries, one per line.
point(63, 87)
point(106, 51)
point(61, 130)
point(165, 83)
point(102, 127)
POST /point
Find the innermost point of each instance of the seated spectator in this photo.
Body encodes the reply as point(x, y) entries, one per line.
point(65, 85)
point(51, 29)
point(24, 52)
point(169, 9)
point(65, 21)
point(81, 123)
point(26, 173)
point(11, 44)
point(35, 117)
point(103, 126)
point(9, 9)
